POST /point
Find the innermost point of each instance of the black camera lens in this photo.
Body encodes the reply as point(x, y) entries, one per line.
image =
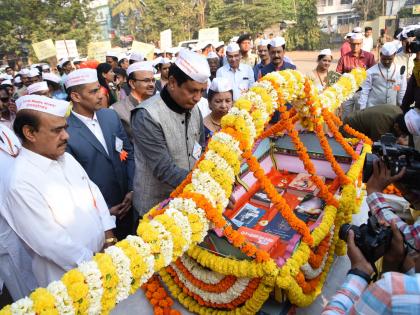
point(344, 231)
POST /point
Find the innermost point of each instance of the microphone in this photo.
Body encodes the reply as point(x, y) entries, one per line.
point(402, 70)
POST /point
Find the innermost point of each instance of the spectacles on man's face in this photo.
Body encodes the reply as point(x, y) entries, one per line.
point(147, 81)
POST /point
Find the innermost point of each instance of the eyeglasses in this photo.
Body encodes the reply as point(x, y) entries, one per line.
point(147, 81)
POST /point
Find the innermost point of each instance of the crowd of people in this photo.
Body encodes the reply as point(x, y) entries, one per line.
point(87, 151)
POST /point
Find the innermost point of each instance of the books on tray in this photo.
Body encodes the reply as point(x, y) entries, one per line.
point(260, 239)
point(248, 216)
point(302, 185)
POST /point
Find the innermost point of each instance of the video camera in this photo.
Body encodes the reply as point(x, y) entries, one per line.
point(395, 157)
point(372, 238)
point(414, 46)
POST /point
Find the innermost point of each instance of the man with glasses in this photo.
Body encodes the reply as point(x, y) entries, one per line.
point(7, 108)
point(239, 74)
point(99, 143)
point(168, 132)
point(142, 83)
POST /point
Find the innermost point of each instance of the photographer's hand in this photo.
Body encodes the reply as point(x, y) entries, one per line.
point(358, 261)
point(381, 177)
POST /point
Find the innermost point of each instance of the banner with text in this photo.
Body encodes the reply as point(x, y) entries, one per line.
point(66, 49)
point(97, 50)
point(165, 39)
point(45, 49)
point(208, 34)
point(146, 49)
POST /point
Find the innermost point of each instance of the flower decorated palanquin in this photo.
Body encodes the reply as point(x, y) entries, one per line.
point(247, 155)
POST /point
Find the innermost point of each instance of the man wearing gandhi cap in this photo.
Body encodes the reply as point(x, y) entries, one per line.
point(384, 83)
point(142, 84)
point(168, 131)
point(99, 143)
point(50, 202)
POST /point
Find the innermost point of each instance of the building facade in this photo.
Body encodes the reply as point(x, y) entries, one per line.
point(336, 16)
point(102, 13)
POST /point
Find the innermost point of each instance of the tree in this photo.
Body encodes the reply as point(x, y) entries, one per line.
point(369, 9)
point(28, 21)
point(132, 10)
point(305, 34)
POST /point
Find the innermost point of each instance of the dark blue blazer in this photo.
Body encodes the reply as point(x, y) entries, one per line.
point(271, 67)
point(113, 176)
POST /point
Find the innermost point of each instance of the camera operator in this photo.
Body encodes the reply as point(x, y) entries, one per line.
point(398, 291)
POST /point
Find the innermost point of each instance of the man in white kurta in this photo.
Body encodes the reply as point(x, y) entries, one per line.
point(51, 203)
point(15, 261)
point(384, 85)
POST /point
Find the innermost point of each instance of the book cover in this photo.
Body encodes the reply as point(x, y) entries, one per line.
point(260, 239)
point(279, 226)
point(248, 216)
point(260, 198)
point(302, 185)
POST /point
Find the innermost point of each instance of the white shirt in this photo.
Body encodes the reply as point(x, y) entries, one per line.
point(383, 86)
point(242, 79)
point(57, 211)
point(94, 126)
point(203, 106)
point(367, 43)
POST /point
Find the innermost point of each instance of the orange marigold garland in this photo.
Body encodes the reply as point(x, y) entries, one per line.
point(316, 257)
point(156, 294)
point(357, 134)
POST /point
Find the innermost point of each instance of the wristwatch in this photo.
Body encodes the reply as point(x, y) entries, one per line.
point(111, 240)
point(361, 274)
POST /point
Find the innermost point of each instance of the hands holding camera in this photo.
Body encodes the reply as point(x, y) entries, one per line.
point(381, 177)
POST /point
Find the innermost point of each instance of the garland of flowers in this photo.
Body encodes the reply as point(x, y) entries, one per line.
point(157, 296)
point(112, 276)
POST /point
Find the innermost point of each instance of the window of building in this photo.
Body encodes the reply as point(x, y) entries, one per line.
point(345, 1)
point(330, 2)
point(322, 3)
point(344, 19)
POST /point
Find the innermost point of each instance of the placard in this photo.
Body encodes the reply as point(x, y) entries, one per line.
point(416, 9)
point(165, 39)
point(66, 49)
point(146, 49)
point(45, 49)
point(97, 50)
point(208, 34)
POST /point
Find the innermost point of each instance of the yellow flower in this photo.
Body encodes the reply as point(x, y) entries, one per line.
point(44, 302)
point(109, 281)
point(77, 289)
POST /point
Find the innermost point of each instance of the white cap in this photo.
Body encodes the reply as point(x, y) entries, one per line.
point(136, 56)
point(263, 42)
point(24, 71)
point(62, 61)
point(348, 35)
point(123, 56)
point(234, 39)
point(389, 49)
point(45, 67)
point(193, 65)
point(325, 52)
point(140, 66)
point(111, 53)
point(7, 82)
point(51, 77)
point(81, 76)
point(277, 42)
point(357, 29)
point(202, 45)
point(220, 85)
point(357, 36)
point(37, 87)
point(412, 120)
point(232, 47)
point(157, 51)
point(43, 104)
point(164, 61)
point(212, 55)
point(33, 73)
point(218, 44)
point(17, 80)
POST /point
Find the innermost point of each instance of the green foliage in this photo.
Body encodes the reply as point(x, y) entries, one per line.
point(29, 21)
point(405, 12)
point(368, 9)
point(305, 35)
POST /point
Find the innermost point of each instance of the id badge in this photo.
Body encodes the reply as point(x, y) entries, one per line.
point(196, 150)
point(118, 144)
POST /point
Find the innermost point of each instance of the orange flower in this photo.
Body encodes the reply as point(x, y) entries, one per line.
point(158, 297)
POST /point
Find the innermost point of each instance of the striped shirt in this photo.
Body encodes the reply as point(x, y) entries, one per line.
point(384, 212)
point(394, 293)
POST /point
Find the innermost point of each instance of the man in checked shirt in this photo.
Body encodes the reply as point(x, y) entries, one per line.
point(398, 291)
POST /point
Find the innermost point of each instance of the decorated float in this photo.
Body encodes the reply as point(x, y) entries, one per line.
point(294, 186)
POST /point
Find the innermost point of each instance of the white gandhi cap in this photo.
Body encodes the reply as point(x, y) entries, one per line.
point(263, 42)
point(325, 52)
point(277, 42)
point(33, 73)
point(193, 65)
point(212, 55)
point(37, 87)
point(388, 49)
point(357, 36)
point(111, 53)
point(51, 77)
point(81, 76)
point(220, 85)
point(43, 104)
point(140, 66)
point(232, 47)
point(136, 56)
point(412, 120)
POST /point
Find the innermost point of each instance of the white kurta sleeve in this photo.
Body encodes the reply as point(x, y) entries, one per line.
point(251, 77)
point(364, 94)
point(29, 215)
point(403, 88)
point(108, 220)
